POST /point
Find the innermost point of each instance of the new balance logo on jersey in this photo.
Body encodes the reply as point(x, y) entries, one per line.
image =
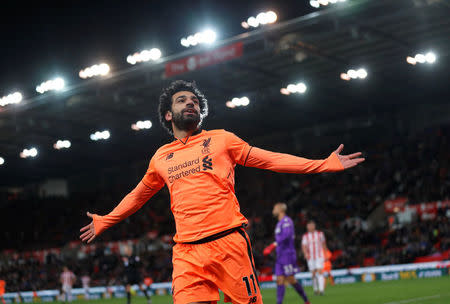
point(169, 156)
point(207, 163)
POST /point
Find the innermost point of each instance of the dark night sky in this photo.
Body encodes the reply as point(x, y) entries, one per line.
point(44, 39)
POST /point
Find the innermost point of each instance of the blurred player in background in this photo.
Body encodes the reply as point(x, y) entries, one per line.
point(132, 276)
point(314, 246)
point(212, 249)
point(85, 281)
point(67, 280)
point(327, 267)
point(2, 290)
point(148, 281)
point(286, 264)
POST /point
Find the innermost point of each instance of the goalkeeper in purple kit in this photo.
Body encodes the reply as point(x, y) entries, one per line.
point(286, 263)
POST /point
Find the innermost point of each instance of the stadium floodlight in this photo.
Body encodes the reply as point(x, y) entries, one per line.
point(62, 144)
point(101, 69)
point(2, 161)
point(301, 88)
point(291, 88)
point(238, 102)
point(354, 74)
point(420, 58)
point(411, 60)
point(244, 24)
point(206, 37)
point(260, 19)
point(294, 88)
point(140, 125)
point(32, 152)
point(429, 58)
point(284, 91)
point(318, 3)
point(271, 17)
point(314, 3)
point(252, 22)
point(185, 42)
point(99, 135)
point(344, 76)
point(362, 73)
point(144, 56)
point(230, 104)
point(13, 98)
point(56, 84)
point(245, 101)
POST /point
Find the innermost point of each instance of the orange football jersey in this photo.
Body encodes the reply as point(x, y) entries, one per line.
point(199, 173)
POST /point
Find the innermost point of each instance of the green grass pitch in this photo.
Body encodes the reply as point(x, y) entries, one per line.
point(414, 291)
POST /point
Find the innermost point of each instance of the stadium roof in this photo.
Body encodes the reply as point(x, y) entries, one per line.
point(315, 48)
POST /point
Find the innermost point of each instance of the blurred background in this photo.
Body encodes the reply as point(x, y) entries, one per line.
point(78, 125)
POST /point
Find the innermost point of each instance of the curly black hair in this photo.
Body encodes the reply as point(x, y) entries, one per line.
point(165, 101)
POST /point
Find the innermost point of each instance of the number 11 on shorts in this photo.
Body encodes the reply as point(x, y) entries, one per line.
point(247, 284)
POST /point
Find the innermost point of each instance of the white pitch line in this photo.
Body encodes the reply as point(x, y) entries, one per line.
point(414, 300)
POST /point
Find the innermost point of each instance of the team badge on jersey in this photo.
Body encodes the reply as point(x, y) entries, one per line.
point(205, 145)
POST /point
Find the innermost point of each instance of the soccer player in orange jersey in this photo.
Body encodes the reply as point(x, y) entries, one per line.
point(327, 266)
point(212, 250)
point(2, 290)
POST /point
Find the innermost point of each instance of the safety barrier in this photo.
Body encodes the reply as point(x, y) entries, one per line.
point(341, 276)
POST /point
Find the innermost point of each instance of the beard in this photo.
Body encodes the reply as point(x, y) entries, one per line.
point(186, 123)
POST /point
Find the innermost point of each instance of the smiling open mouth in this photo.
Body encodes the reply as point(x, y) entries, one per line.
point(191, 111)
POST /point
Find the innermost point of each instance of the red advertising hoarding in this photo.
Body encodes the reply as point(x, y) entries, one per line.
point(199, 61)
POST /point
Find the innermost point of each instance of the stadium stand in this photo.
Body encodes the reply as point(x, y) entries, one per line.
point(399, 120)
point(397, 169)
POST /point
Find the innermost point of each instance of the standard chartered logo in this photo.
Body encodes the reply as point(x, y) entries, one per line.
point(186, 164)
point(188, 167)
point(207, 163)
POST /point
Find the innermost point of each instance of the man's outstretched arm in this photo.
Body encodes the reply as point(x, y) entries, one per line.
point(149, 185)
point(132, 202)
point(286, 163)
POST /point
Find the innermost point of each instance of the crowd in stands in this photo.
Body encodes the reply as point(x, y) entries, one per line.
point(415, 166)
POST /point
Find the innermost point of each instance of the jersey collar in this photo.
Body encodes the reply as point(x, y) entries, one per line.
point(185, 140)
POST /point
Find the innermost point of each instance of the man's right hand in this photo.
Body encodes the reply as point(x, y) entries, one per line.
point(89, 230)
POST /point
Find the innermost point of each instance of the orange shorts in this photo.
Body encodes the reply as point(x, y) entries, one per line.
point(327, 267)
point(200, 270)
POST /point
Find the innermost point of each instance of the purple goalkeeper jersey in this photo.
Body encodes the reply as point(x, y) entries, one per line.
point(285, 236)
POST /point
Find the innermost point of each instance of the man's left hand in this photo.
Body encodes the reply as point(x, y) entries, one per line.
point(349, 161)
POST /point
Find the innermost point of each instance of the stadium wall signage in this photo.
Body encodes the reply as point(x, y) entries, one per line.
point(426, 210)
point(341, 276)
point(199, 61)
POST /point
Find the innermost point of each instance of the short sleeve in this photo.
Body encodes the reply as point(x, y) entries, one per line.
point(237, 148)
point(152, 179)
point(304, 241)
